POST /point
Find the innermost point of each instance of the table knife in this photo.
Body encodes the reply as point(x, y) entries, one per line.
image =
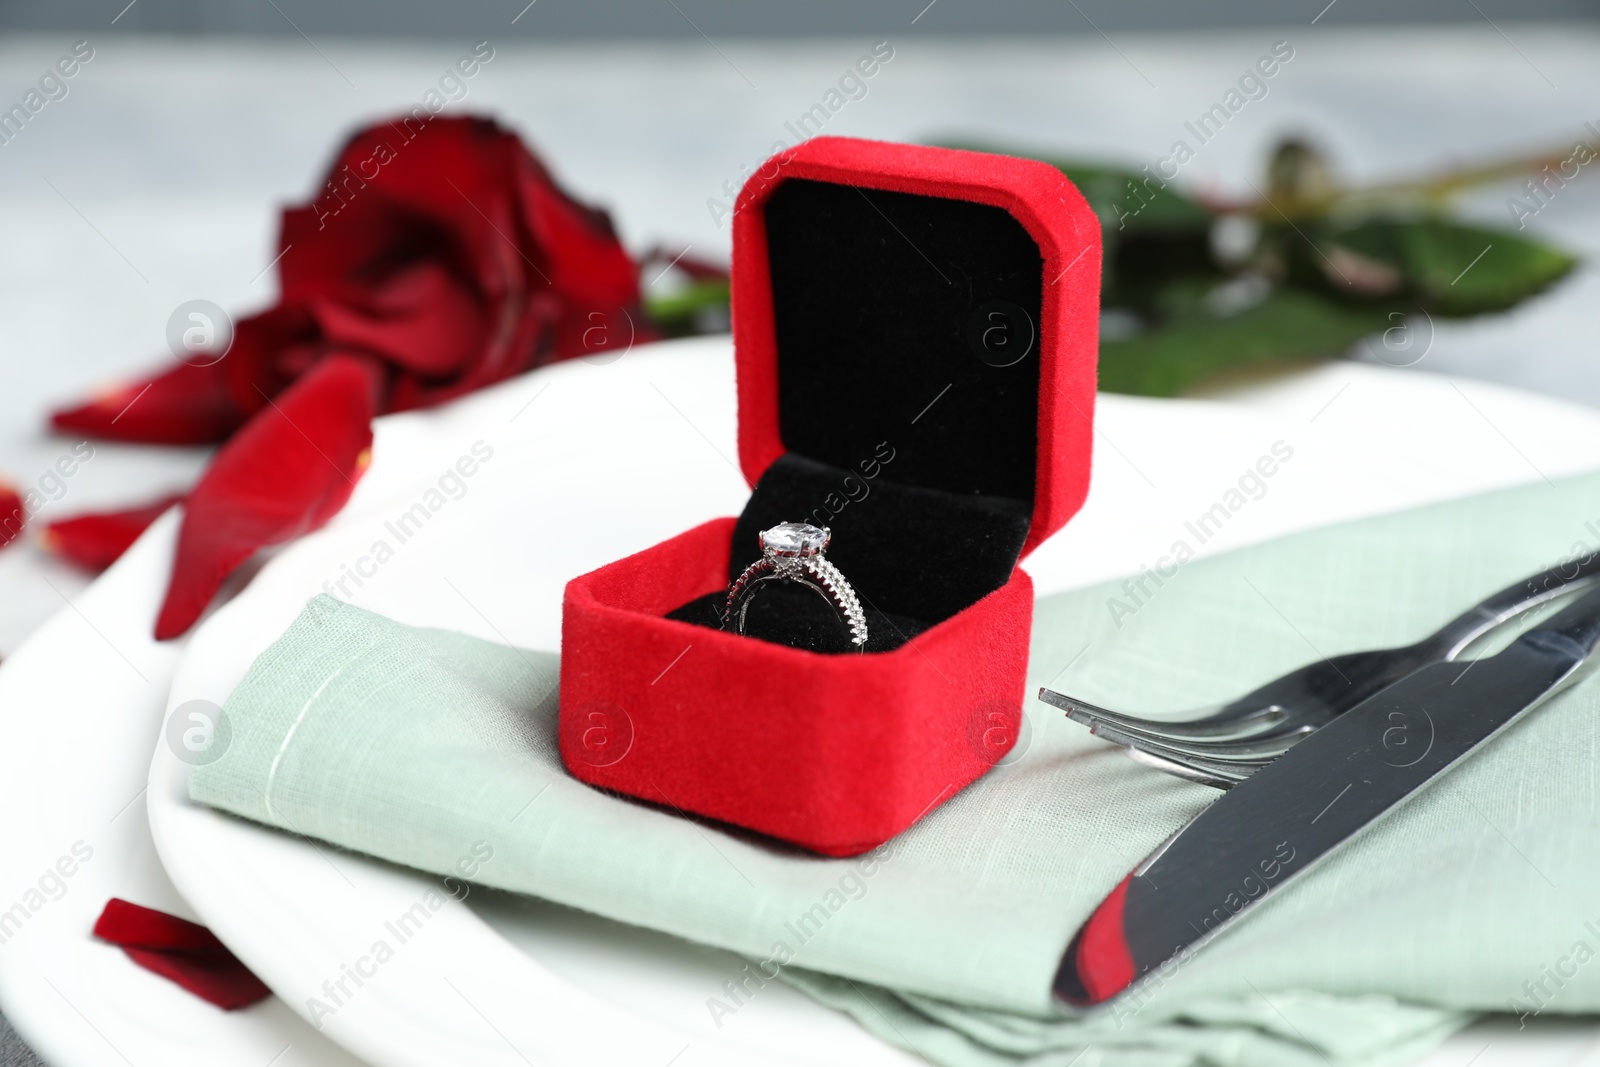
point(1291, 814)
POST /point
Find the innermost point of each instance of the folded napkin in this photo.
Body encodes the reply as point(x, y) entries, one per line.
point(413, 745)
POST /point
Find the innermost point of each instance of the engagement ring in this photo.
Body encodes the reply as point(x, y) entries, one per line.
point(792, 552)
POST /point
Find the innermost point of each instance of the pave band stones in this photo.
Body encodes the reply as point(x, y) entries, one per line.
point(793, 552)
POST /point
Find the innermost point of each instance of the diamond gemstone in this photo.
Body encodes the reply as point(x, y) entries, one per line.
point(794, 539)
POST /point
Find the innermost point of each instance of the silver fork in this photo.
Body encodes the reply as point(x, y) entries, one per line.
point(1223, 746)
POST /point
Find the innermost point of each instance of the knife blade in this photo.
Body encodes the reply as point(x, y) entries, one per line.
point(1295, 811)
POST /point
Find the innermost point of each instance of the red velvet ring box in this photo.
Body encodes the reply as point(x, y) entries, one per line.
point(915, 337)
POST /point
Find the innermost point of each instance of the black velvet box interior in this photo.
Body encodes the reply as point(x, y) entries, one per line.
point(908, 393)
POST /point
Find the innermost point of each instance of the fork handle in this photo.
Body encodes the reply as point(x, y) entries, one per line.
point(1578, 622)
point(1454, 636)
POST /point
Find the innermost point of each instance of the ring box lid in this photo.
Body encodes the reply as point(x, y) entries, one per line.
point(941, 300)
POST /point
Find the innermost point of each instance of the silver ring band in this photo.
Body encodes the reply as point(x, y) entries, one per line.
point(793, 552)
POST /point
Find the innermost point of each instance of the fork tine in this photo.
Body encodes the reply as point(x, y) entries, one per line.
point(1191, 769)
point(1269, 744)
point(1173, 751)
point(1083, 712)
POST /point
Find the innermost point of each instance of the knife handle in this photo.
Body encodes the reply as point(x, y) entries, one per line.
point(1098, 963)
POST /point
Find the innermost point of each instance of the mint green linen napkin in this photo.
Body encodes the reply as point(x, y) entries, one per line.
point(412, 745)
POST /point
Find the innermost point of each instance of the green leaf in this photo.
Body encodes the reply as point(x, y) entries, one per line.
point(1288, 326)
point(687, 311)
point(1125, 200)
point(1452, 269)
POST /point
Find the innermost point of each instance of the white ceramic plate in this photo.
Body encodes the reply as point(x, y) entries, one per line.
point(591, 462)
point(80, 705)
point(607, 459)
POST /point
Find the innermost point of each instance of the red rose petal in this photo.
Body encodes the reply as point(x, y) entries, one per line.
point(583, 258)
point(185, 405)
point(703, 270)
point(222, 980)
point(287, 472)
point(410, 190)
point(419, 316)
point(197, 403)
point(697, 269)
point(97, 540)
point(181, 951)
point(127, 924)
point(13, 517)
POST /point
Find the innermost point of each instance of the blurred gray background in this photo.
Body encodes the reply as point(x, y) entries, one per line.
point(579, 20)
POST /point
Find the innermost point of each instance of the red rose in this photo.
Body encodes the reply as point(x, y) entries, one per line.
point(438, 257)
point(443, 250)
